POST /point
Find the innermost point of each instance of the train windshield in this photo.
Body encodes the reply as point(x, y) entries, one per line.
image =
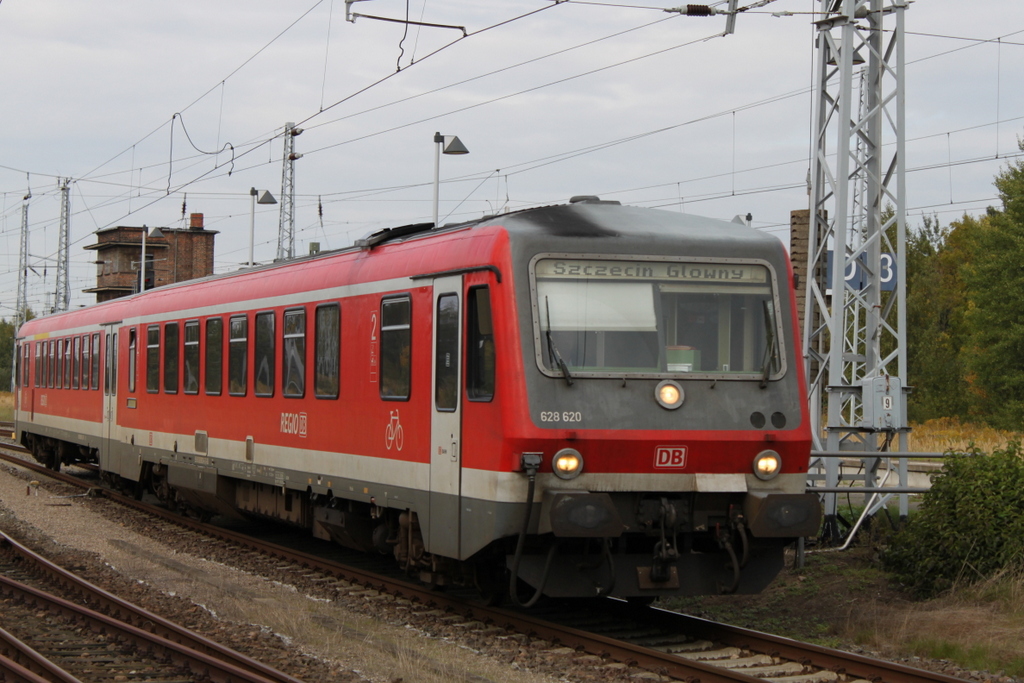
point(603, 317)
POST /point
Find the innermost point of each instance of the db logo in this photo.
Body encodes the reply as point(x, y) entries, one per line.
point(670, 456)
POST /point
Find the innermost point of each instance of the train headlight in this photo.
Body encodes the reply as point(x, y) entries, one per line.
point(767, 464)
point(669, 394)
point(567, 463)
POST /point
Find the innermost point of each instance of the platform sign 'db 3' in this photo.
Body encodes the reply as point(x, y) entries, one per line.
point(670, 457)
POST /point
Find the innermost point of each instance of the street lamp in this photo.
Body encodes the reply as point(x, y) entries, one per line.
point(258, 197)
point(156, 234)
point(447, 144)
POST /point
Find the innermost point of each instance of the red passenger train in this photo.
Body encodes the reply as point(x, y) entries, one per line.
point(589, 399)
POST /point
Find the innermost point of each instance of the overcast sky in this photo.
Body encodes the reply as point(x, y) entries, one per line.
point(132, 101)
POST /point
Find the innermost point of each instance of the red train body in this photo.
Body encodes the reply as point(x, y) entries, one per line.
point(630, 372)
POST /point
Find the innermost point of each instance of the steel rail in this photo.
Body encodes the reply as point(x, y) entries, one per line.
point(138, 616)
point(669, 664)
point(16, 673)
point(202, 664)
point(854, 665)
point(524, 623)
point(22, 663)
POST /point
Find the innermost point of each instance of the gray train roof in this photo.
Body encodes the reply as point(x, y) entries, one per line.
point(632, 229)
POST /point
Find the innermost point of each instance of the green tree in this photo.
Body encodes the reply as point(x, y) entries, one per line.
point(936, 299)
point(994, 312)
point(6, 353)
point(7, 349)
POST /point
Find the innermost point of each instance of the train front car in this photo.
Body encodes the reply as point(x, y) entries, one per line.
point(667, 436)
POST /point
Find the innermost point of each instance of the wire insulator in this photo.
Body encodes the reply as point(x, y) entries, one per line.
point(698, 11)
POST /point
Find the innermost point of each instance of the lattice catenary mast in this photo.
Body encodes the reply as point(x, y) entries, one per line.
point(286, 230)
point(21, 306)
point(63, 296)
point(855, 319)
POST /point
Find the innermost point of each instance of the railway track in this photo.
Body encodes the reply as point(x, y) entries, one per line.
point(667, 643)
point(86, 634)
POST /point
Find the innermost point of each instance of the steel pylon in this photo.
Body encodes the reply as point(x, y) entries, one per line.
point(62, 299)
point(855, 313)
point(286, 229)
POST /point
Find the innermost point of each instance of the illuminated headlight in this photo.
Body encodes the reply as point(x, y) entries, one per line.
point(669, 394)
point(567, 463)
point(767, 464)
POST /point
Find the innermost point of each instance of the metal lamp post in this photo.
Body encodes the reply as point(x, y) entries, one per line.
point(258, 197)
point(445, 144)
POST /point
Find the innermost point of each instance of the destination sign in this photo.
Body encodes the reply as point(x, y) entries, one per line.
point(650, 270)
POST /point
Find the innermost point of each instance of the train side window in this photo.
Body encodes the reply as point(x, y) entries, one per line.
point(95, 376)
point(39, 362)
point(67, 363)
point(86, 361)
point(446, 361)
point(133, 362)
point(153, 359)
point(395, 348)
point(263, 359)
point(76, 360)
point(328, 350)
point(26, 372)
point(171, 349)
point(214, 379)
point(59, 380)
point(293, 374)
point(191, 357)
point(52, 377)
point(238, 349)
point(19, 363)
point(480, 346)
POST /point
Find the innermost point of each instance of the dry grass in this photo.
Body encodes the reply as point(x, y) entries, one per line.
point(6, 406)
point(944, 434)
point(977, 627)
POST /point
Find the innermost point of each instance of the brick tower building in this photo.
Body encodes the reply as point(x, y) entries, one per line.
point(181, 254)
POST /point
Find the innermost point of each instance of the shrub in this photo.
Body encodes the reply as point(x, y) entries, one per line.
point(970, 525)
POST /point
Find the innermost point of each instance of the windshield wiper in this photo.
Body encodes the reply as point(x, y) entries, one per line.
point(770, 348)
point(553, 350)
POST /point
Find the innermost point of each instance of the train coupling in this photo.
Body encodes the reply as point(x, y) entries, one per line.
point(666, 550)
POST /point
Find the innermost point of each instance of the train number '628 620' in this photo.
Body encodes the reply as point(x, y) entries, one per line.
point(564, 416)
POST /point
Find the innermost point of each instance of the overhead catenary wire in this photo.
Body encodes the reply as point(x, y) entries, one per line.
point(513, 19)
point(141, 186)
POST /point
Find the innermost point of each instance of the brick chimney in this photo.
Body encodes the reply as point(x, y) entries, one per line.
point(195, 221)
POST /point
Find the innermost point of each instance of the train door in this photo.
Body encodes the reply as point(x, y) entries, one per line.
point(109, 336)
point(446, 419)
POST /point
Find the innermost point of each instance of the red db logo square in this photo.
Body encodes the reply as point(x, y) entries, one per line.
point(670, 456)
